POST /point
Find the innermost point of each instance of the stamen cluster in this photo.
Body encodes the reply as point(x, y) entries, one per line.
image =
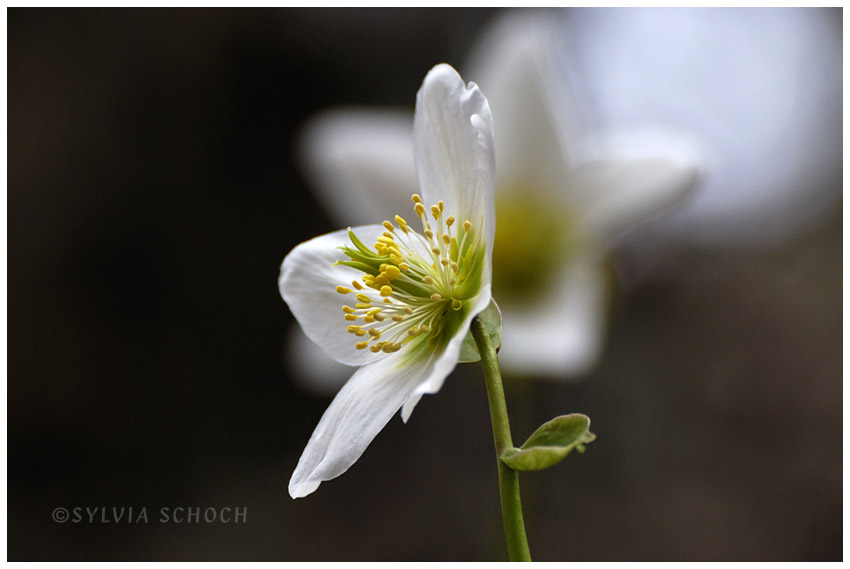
point(410, 280)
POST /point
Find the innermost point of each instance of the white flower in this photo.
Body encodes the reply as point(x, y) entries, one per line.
point(562, 197)
point(402, 308)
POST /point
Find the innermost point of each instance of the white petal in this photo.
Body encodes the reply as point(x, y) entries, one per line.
point(453, 148)
point(312, 369)
point(613, 194)
point(360, 163)
point(515, 66)
point(562, 335)
point(308, 281)
point(357, 414)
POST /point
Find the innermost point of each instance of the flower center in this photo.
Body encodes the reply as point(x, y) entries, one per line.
point(412, 282)
point(532, 242)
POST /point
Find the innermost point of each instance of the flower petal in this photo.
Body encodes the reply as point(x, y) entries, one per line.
point(616, 193)
point(360, 162)
point(454, 150)
point(357, 414)
point(515, 65)
point(308, 281)
point(561, 335)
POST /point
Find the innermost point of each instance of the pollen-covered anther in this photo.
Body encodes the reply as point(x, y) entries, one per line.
point(467, 225)
point(386, 290)
point(416, 198)
point(401, 223)
point(444, 262)
point(389, 226)
point(424, 329)
point(362, 297)
point(455, 267)
point(450, 221)
point(436, 297)
point(419, 209)
point(392, 272)
point(348, 310)
point(342, 290)
point(435, 212)
point(357, 285)
point(361, 345)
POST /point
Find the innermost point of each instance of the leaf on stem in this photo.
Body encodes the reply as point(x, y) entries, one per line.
point(551, 443)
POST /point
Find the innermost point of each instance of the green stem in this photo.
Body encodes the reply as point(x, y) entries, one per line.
point(508, 477)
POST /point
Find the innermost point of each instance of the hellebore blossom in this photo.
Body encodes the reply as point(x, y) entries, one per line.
point(561, 197)
point(400, 309)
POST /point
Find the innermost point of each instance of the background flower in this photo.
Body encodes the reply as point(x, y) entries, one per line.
point(564, 196)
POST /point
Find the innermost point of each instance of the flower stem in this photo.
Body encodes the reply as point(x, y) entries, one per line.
point(508, 477)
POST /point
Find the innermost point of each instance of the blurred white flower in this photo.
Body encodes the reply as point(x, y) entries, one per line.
point(402, 309)
point(561, 198)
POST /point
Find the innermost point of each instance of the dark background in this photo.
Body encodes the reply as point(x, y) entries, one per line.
point(151, 197)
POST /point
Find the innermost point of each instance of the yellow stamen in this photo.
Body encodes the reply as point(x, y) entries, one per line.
point(342, 290)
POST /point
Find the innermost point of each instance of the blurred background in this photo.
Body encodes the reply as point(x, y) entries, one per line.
point(153, 191)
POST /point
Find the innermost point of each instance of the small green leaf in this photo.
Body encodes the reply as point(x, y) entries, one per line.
point(551, 443)
point(492, 318)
